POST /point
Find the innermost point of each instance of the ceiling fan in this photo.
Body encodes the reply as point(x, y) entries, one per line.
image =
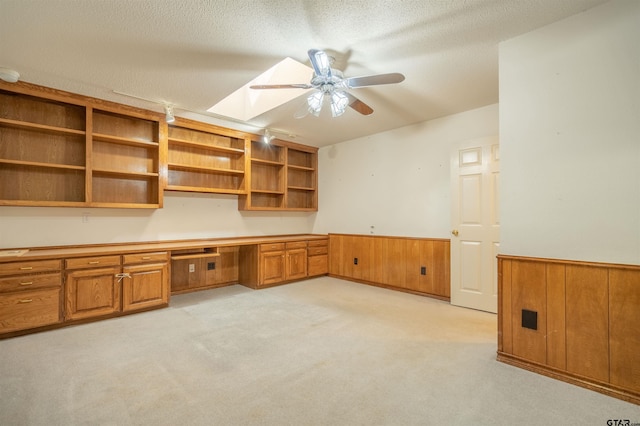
point(331, 87)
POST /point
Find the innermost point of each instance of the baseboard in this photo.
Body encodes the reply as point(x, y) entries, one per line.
point(390, 287)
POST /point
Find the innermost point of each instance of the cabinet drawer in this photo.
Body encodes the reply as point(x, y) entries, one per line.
point(296, 244)
point(314, 251)
point(318, 265)
point(29, 309)
point(272, 247)
point(90, 262)
point(318, 243)
point(29, 267)
point(30, 282)
point(129, 259)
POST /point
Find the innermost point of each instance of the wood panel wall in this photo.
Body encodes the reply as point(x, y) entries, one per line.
point(588, 322)
point(414, 265)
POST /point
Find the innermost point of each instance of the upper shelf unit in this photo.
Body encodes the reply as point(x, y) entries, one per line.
point(205, 158)
point(60, 149)
point(283, 177)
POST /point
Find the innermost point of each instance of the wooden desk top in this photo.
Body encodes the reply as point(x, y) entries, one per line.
point(58, 252)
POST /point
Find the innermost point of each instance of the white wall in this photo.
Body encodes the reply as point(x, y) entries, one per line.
point(397, 181)
point(184, 216)
point(570, 138)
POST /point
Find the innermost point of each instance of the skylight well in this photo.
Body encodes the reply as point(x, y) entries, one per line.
point(245, 104)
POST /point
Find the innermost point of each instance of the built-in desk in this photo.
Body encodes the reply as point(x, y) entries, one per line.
point(48, 287)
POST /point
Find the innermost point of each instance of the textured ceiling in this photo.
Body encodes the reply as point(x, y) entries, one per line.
point(193, 53)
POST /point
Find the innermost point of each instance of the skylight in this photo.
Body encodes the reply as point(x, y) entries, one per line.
point(245, 104)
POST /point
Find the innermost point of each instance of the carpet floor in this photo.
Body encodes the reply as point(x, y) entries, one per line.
point(317, 352)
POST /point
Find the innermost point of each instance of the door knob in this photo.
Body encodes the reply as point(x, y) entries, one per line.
point(455, 232)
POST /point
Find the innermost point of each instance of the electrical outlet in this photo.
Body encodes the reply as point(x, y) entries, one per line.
point(355, 260)
point(211, 266)
point(423, 270)
point(192, 267)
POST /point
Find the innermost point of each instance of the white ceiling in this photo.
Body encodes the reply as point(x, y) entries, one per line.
point(193, 53)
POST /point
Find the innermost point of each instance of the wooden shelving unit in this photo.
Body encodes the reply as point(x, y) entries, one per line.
point(283, 177)
point(62, 149)
point(125, 160)
point(205, 158)
point(42, 151)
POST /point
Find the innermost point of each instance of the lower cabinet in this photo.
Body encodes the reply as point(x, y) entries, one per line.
point(100, 286)
point(30, 295)
point(416, 265)
point(264, 265)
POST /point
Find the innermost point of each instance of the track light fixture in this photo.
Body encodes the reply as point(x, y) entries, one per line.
point(168, 110)
point(268, 137)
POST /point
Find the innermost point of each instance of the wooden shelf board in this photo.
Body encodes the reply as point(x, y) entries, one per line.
point(309, 169)
point(40, 164)
point(29, 203)
point(122, 205)
point(266, 191)
point(301, 188)
point(124, 141)
point(123, 173)
point(40, 127)
point(268, 162)
point(184, 142)
point(202, 189)
point(188, 167)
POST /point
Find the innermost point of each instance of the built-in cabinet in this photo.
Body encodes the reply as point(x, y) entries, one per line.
point(416, 265)
point(57, 149)
point(283, 177)
point(576, 321)
point(30, 294)
point(105, 285)
point(269, 264)
point(61, 149)
point(206, 158)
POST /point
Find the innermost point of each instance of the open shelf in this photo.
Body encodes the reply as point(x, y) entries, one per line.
point(123, 141)
point(39, 164)
point(183, 142)
point(39, 127)
point(177, 166)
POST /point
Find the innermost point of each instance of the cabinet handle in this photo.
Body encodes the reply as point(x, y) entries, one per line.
point(27, 283)
point(95, 262)
point(121, 276)
point(26, 268)
point(146, 257)
point(25, 300)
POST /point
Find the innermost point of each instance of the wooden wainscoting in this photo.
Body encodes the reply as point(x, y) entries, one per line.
point(414, 265)
point(586, 326)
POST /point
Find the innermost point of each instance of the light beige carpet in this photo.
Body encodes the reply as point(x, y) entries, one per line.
point(318, 352)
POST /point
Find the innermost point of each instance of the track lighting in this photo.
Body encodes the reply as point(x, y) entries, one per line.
point(268, 137)
point(10, 76)
point(168, 109)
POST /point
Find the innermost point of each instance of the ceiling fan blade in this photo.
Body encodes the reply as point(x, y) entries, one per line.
point(320, 62)
point(281, 86)
point(358, 105)
point(374, 80)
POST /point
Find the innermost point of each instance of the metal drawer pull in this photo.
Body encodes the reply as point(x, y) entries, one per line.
point(95, 262)
point(27, 283)
point(121, 276)
point(25, 300)
point(26, 268)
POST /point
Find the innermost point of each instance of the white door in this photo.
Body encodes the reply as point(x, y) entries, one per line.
point(475, 221)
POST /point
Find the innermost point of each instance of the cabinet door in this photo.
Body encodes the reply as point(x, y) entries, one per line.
point(272, 267)
point(22, 310)
point(296, 264)
point(147, 286)
point(91, 293)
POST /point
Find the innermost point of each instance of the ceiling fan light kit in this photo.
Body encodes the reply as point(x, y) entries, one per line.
point(332, 87)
